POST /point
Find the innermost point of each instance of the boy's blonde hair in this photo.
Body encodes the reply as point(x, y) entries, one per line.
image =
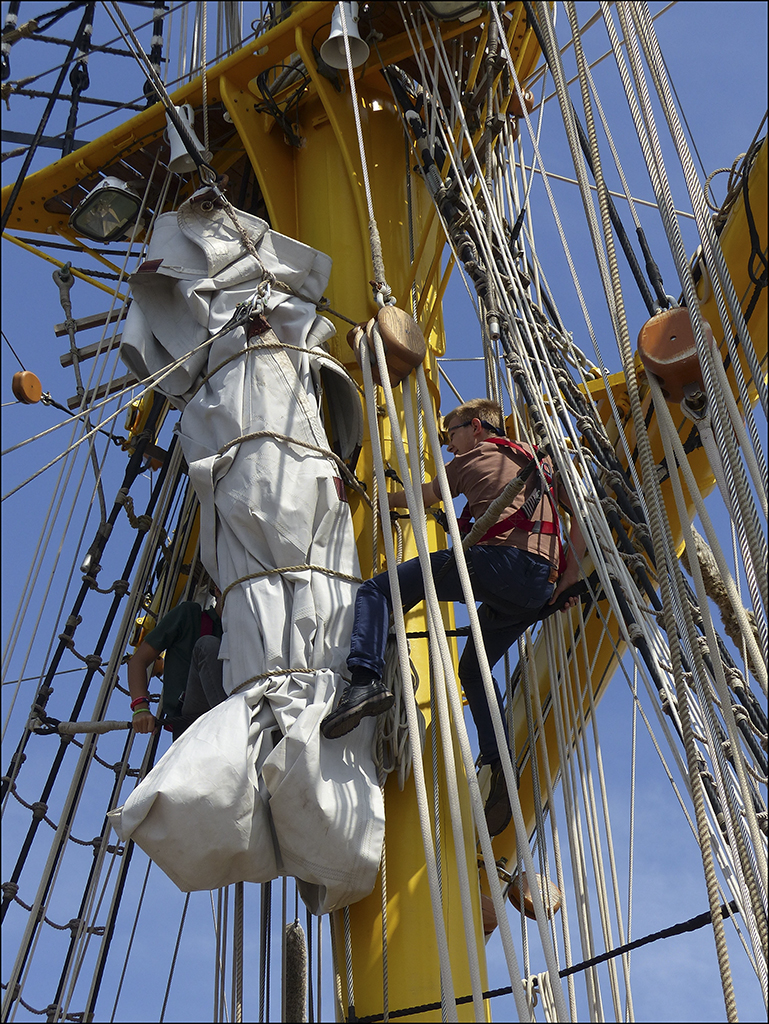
point(478, 408)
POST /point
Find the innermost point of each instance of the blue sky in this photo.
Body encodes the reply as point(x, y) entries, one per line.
point(717, 55)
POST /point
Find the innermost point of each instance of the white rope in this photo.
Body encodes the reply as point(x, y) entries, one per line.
point(748, 810)
point(753, 552)
point(382, 291)
point(573, 822)
point(475, 797)
point(447, 988)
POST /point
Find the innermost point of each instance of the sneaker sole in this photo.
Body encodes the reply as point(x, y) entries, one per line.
point(333, 727)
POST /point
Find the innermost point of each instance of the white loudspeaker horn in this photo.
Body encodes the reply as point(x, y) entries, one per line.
point(181, 162)
point(333, 51)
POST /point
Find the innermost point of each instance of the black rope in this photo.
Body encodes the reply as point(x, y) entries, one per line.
point(78, 79)
point(10, 346)
point(678, 929)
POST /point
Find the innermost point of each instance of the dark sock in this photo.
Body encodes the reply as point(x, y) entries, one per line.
point(362, 676)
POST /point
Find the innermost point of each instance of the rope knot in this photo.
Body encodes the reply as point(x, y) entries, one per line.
point(39, 810)
point(636, 633)
point(9, 889)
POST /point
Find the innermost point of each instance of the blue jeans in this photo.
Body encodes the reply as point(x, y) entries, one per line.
point(512, 584)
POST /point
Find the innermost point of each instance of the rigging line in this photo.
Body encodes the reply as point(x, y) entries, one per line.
point(59, 490)
point(116, 39)
point(720, 681)
point(39, 678)
point(566, 934)
point(85, 932)
point(578, 727)
point(441, 680)
point(661, 539)
point(572, 268)
point(714, 258)
point(605, 808)
point(21, 601)
point(542, 73)
point(750, 535)
point(16, 190)
point(692, 924)
point(10, 346)
point(149, 381)
point(157, 504)
point(457, 714)
point(179, 124)
point(574, 826)
point(578, 142)
point(418, 768)
point(173, 959)
point(83, 413)
point(139, 905)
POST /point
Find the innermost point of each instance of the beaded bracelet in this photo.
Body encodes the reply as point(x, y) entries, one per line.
point(139, 700)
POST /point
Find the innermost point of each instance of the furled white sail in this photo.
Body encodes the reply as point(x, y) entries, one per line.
point(251, 790)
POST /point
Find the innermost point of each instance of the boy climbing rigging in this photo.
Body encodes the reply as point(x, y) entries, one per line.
point(515, 568)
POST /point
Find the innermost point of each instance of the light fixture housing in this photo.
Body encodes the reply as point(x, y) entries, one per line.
point(333, 51)
point(452, 11)
point(107, 212)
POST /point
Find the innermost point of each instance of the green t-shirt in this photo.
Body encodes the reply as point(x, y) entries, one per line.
point(176, 634)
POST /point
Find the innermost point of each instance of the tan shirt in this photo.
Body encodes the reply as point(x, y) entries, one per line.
point(481, 475)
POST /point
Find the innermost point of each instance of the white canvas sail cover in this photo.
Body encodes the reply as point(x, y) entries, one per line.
point(251, 790)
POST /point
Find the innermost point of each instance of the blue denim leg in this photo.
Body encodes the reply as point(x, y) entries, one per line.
point(373, 607)
point(498, 572)
point(519, 580)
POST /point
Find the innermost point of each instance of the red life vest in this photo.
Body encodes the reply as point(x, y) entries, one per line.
point(518, 520)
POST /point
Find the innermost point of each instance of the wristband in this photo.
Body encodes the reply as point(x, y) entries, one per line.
point(141, 711)
point(139, 700)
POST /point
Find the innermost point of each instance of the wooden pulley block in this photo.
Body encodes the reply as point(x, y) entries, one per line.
point(668, 350)
point(488, 913)
point(552, 902)
point(26, 387)
point(403, 341)
point(528, 100)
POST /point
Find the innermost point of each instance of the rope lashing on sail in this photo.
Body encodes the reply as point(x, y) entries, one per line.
point(313, 353)
point(281, 570)
point(325, 452)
